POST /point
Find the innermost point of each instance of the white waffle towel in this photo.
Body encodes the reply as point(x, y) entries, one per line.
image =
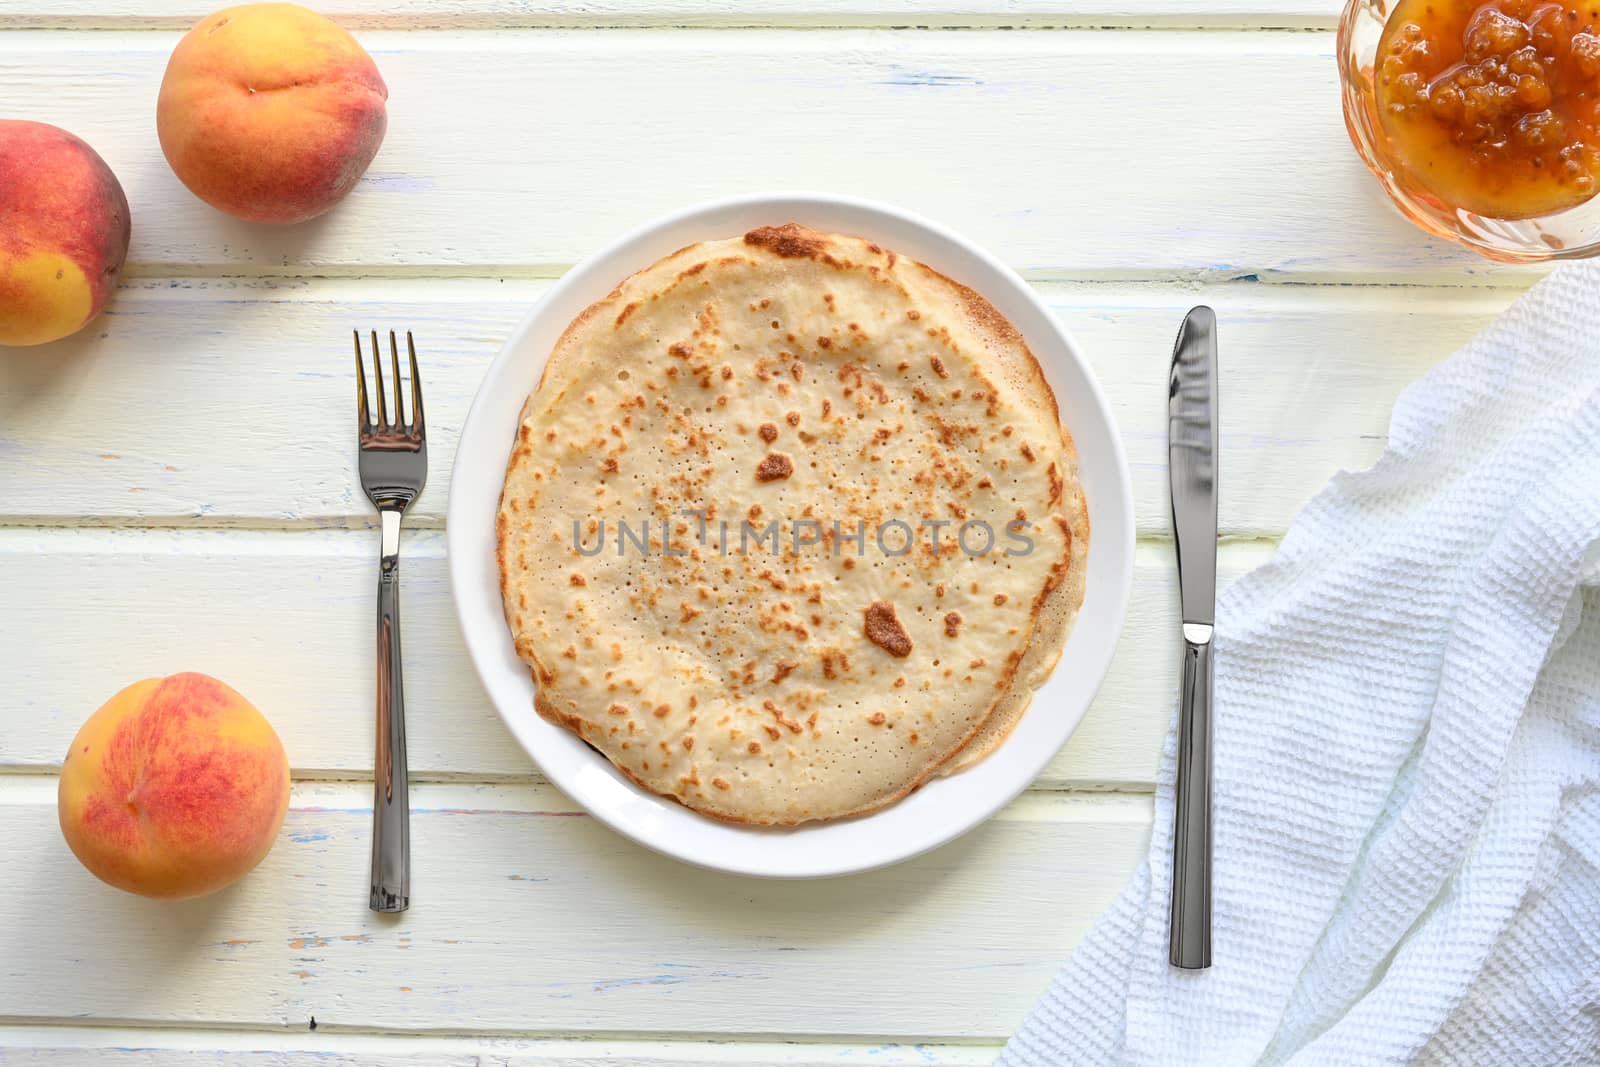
point(1407, 745)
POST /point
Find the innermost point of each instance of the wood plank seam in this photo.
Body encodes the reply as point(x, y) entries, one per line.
point(1160, 17)
point(186, 1043)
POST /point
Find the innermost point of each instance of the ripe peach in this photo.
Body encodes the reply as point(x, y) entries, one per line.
point(270, 112)
point(63, 233)
point(174, 788)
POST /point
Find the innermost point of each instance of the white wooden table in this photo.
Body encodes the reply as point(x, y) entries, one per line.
point(177, 491)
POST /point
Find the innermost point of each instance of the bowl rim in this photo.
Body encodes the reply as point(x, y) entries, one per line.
point(947, 807)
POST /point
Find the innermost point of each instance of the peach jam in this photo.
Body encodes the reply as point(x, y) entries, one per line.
point(1494, 107)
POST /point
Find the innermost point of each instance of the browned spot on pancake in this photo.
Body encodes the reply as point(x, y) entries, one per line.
point(793, 418)
point(681, 349)
point(688, 742)
point(1055, 484)
point(772, 731)
point(882, 627)
point(721, 783)
point(952, 624)
point(609, 465)
point(913, 315)
point(1027, 453)
point(777, 713)
point(577, 579)
point(877, 718)
point(775, 467)
point(784, 668)
point(617, 709)
point(938, 367)
point(768, 432)
point(690, 272)
point(727, 373)
point(834, 662)
point(629, 310)
point(999, 600)
point(791, 240)
point(753, 747)
point(661, 712)
point(824, 342)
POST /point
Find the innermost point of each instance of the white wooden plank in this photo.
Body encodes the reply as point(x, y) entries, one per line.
point(286, 619)
point(227, 403)
point(486, 14)
point(529, 919)
point(1057, 150)
point(49, 1046)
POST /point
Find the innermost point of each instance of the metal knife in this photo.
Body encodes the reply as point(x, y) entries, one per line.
point(1192, 463)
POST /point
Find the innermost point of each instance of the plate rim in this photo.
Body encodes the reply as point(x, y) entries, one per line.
point(593, 786)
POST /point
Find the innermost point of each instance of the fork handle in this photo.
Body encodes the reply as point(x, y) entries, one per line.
point(391, 805)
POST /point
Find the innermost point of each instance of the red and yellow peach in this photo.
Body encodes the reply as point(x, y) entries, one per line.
point(270, 112)
point(174, 788)
point(64, 231)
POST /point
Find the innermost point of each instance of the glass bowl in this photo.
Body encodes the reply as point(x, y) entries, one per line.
point(1573, 233)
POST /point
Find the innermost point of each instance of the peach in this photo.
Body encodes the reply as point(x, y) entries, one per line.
point(63, 233)
point(270, 112)
point(176, 787)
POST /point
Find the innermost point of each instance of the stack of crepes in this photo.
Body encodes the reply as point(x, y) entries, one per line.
point(857, 536)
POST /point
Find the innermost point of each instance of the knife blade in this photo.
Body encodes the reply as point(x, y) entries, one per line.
point(1192, 462)
point(1192, 466)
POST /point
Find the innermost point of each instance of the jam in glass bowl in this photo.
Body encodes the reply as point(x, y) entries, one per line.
point(1481, 118)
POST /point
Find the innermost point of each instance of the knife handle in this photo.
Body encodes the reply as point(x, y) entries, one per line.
point(1191, 858)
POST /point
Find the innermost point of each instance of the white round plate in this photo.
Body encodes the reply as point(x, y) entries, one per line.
point(942, 809)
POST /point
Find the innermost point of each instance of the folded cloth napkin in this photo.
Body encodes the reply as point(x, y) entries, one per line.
point(1407, 736)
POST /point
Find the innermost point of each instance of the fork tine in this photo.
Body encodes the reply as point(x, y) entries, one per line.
point(417, 424)
point(361, 386)
point(394, 365)
point(377, 374)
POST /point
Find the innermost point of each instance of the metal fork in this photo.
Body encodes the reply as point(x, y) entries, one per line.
point(394, 467)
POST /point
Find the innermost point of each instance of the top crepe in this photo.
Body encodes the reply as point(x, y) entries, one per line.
point(790, 525)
